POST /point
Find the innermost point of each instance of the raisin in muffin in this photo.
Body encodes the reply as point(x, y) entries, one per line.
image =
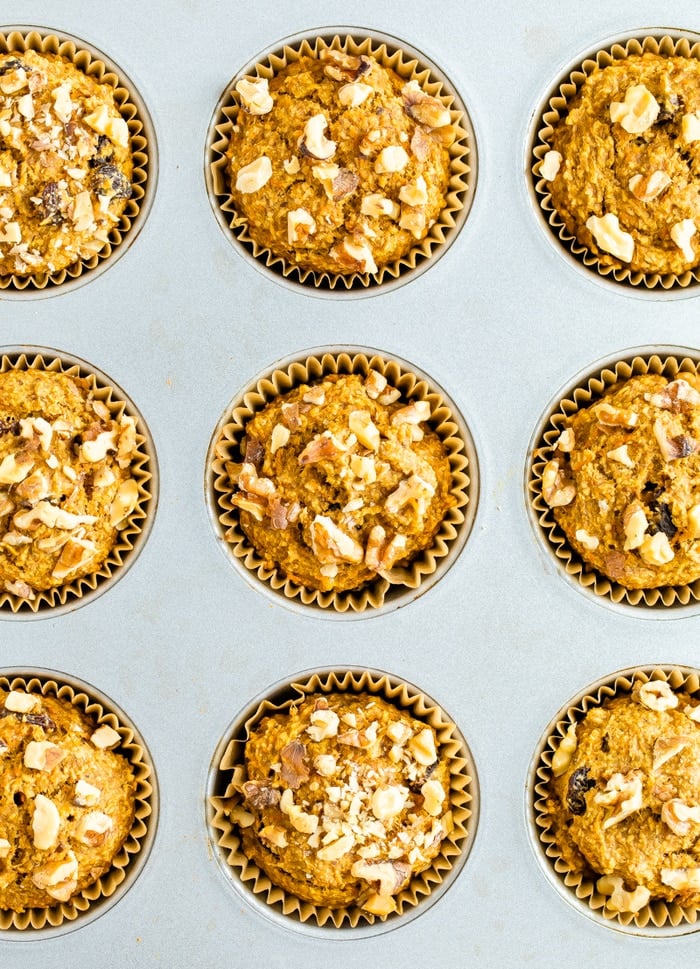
point(67, 802)
point(623, 799)
point(65, 163)
point(342, 799)
point(340, 481)
point(623, 163)
point(623, 481)
point(337, 164)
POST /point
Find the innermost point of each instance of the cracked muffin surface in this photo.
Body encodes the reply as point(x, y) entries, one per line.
point(66, 800)
point(65, 163)
point(338, 164)
point(624, 797)
point(341, 480)
point(623, 165)
point(623, 481)
point(342, 799)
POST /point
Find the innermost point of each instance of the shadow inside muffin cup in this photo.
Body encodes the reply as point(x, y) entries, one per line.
point(390, 589)
point(554, 106)
point(664, 602)
point(142, 139)
point(658, 918)
point(409, 64)
point(110, 887)
point(134, 533)
point(285, 909)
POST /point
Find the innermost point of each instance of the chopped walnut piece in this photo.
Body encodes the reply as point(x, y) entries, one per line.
point(679, 816)
point(656, 549)
point(391, 159)
point(388, 801)
point(648, 187)
point(422, 747)
point(377, 205)
point(667, 747)
point(344, 67)
point(253, 176)
point(260, 795)
point(19, 702)
point(331, 544)
point(355, 256)
point(295, 770)
point(93, 828)
point(42, 755)
point(75, 554)
point(354, 93)
point(565, 751)
point(610, 416)
point(434, 797)
point(675, 396)
point(46, 823)
point(325, 765)
point(621, 454)
point(336, 849)
point(313, 141)
point(550, 165)
point(586, 539)
point(105, 737)
point(637, 112)
point(624, 792)
point(59, 878)
point(361, 424)
point(86, 795)
point(324, 723)
point(620, 899)
point(681, 233)
point(300, 820)
point(635, 524)
point(279, 438)
point(413, 490)
point(15, 467)
point(255, 95)
point(300, 225)
point(424, 108)
point(657, 695)
point(124, 502)
point(673, 442)
point(681, 879)
point(392, 876)
point(375, 384)
point(610, 237)
point(557, 488)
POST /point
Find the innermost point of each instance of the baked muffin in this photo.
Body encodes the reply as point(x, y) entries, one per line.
point(622, 804)
point(67, 801)
point(623, 163)
point(337, 164)
point(68, 480)
point(342, 799)
point(340, 480)
point(66, 163)
point(622, 480)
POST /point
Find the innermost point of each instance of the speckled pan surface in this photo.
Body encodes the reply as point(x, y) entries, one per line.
point(502, 323)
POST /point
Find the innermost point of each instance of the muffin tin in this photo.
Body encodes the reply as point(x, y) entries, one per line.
point(183, 642)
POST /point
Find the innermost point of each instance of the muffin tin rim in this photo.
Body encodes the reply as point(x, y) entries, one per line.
point(329, 931)
point(528, 179)
point(104, 380)
point(408, 595)
point(530, 813)
point(134, 869)
point(340, 292)
point(31, 292)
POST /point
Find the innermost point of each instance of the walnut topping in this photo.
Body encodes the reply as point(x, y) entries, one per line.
point(124, 502)
point(274, 835)
point(344, 67)
point(59, 879)
point(355, 256)
point(15, 467)
point(690, 127)
point(410, 491)
point(424, 108)
point(331, 544)
point(279, 438)
point(681, 879)
point(46, 823)
point(675, 396)
point(657, 695)
point(324, 723)
point(656, 549)
point(86, 795)
point(586, 539)
point(5, 847)
point(388, 801)
point(565, 751)
point(391, 159)
point(624, 792)
point(354, 93)
point(610, 237)
point(610, 416)
point(325, 764)
point(295, 770)
point(260, 795)
point(557, 488)
point(667, 747)
point(42, 755)
point(635, 524)
point(19, 702)
point(377, 205)
point(681, 233)
point(76, 553)
point(637, 112)
point(255, 96)
point(550, 165)
point(97, 448)
point(253, 176)
point(673, 442)
point(250, 482)
point(314, 142)
point(621, 454)
point(414, 193)
point(392, 876)
point(105, 738)
point(336, 849)
point(300, 225)
point(300, 821)
point(115, 128)
point(679, 816)
point(47, 514)
point(361, 424)
point(648, 187)
point(422, 747)
point(93, 828)
point(620, 899)
point(434, 797)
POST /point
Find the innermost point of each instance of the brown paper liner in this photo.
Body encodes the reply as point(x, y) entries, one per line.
point(462, 162)
point(132, 535)
point(426, 564)
point(583, 395)
point(463, 795)
point(658, 914)
point(132, 855)
point(16, 42)
point(556, 108)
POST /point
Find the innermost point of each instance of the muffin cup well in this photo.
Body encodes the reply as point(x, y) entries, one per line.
point(109, 888)
point(401, 584)
point(289, 911)
point(95, 64)
point(667, 42)
point(658, 918)
point(133, 535)
point(409, 64)
point(587, 387)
